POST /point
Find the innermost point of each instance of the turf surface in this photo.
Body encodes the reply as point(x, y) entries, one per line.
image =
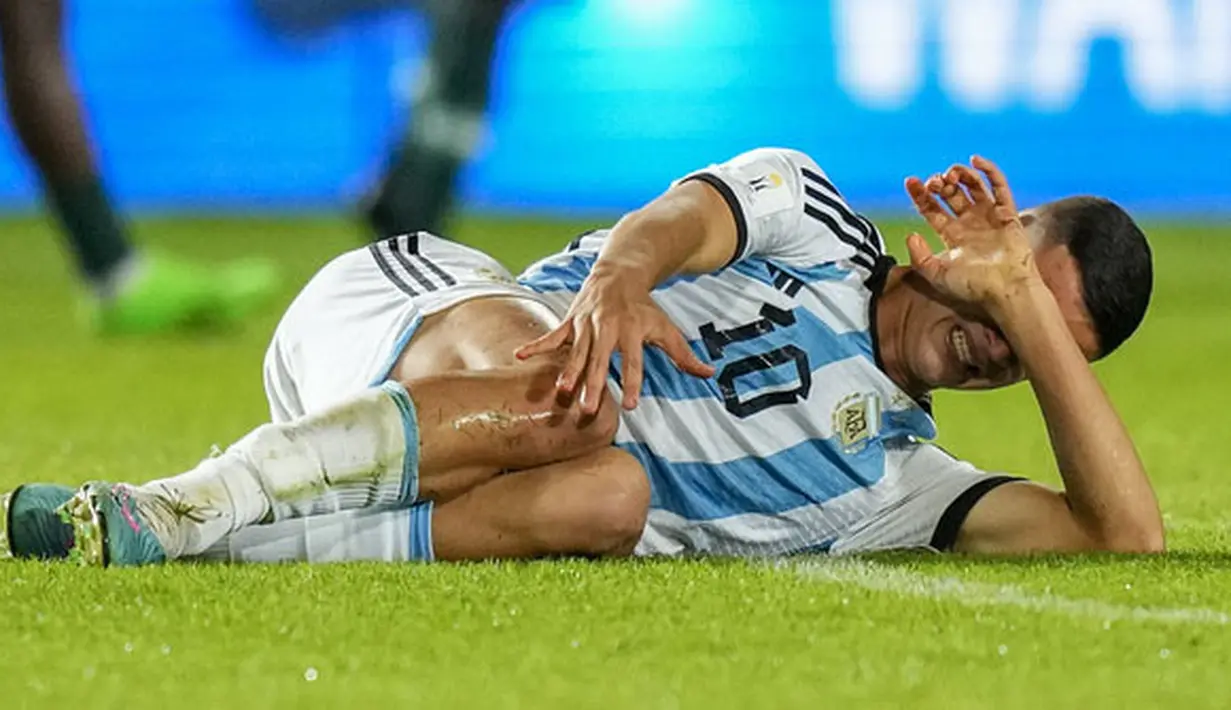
point(898, 631)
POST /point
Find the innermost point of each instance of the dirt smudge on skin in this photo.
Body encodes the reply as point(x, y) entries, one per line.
point(497, 420)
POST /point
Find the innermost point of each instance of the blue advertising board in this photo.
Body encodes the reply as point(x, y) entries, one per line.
point(598, 104)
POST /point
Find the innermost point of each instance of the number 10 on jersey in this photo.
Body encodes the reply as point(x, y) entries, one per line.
point(716, 344)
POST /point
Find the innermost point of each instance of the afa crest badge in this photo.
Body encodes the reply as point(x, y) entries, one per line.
point(856, 421)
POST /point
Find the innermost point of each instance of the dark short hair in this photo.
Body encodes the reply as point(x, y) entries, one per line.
point(1117, 274)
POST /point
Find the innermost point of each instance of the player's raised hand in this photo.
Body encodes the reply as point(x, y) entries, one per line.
point(988, 254)
point(612, 314)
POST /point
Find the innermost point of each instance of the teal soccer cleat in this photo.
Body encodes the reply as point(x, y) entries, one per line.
point(110, 529)
point(31, 526)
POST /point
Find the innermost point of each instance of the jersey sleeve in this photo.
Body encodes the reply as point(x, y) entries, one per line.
point(927, 495)
point(786, 208)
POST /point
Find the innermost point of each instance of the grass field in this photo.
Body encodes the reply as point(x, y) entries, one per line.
point(898, 631)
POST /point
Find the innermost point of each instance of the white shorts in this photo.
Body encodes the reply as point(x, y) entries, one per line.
point(346, 329)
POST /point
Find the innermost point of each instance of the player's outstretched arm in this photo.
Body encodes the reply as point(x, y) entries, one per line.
point(1108, 503)
point(689, 229)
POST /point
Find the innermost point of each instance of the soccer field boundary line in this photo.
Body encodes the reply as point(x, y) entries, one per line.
point(878, 577)
point(1174, 524)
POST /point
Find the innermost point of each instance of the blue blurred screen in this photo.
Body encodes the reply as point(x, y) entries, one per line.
point(598, 104)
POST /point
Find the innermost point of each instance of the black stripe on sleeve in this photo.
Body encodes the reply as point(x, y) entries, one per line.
point(875, 239)
point(820, 180)
point(950, 523)
point(860, 257)
point(388, 271)
point(858, 221)
point(741, 223)
point(861, 235)
point(840, 207)
point(410, 268)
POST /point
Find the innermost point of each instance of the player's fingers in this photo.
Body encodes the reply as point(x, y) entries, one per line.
point(927, 206)
point(596, 373)
point(1005, 215)
point(1000, 184)
point(546, 343)
point(977, 189)
point(935, 184)
point(672, 342)
point(918, 248)
point(578, 356)
point(953, 194)
point(632, 351)
point(922, 259)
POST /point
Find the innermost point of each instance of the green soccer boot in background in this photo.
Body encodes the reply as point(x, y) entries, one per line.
point(165, 294)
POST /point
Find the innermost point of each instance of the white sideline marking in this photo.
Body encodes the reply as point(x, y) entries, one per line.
point(1202, 526)
point(887, 578)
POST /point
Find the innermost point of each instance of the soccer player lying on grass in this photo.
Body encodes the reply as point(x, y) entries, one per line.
point(784, 409)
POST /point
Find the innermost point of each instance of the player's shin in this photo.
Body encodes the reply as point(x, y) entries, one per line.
point(360, 453)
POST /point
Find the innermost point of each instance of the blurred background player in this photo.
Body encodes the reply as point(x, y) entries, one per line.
point(129, 291)
point(415, 191)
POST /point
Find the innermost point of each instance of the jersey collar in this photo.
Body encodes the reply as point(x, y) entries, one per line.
point(875, 283)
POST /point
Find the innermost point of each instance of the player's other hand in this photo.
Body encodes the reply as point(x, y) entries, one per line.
point(612, 313)
point(988, 256)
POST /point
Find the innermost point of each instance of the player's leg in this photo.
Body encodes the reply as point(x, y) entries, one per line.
point(47, 117)
point(338, 443)
point(592, 505)
point(429, 437)
point(131, 293)
point(446, 119)
point(370, 450)
point(352, 455)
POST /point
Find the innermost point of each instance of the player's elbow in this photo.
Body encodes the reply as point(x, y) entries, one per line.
point(1145, 537)
point(1137, 542)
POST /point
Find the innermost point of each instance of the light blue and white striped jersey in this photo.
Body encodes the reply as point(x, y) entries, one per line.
point(782, 450)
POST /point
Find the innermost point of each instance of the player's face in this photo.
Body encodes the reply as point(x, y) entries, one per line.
point(958, 346)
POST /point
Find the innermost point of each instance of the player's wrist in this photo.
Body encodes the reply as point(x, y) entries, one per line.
point(1021, 292)
point(1024, 309)
point(625, 273)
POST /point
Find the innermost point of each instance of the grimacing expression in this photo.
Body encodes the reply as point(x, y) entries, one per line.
point(957, 346)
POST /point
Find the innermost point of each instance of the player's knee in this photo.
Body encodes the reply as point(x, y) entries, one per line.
point(615, 512)
point(599, 429)
point(583, 434)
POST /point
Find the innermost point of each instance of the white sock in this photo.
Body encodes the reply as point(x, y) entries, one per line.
point(387, 535)
point(360, 453)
